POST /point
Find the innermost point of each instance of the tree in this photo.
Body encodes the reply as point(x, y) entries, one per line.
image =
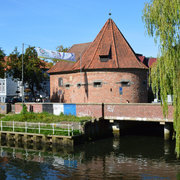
point(162, 21)
point(60, 49)
point(33, 67)
point(2, 55)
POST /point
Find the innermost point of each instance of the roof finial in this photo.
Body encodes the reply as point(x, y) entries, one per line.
point(110, 14)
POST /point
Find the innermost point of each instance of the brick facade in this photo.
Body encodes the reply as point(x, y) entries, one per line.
point(108, 91)
point(111, 72)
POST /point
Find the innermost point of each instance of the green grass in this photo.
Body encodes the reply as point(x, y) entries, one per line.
point(2, 115)
point(43, 117)
point(58, 131)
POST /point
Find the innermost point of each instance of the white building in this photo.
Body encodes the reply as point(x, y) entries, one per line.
point(8, 88)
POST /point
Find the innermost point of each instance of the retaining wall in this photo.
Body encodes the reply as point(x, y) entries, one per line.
point(107, 111)
point(5, 108)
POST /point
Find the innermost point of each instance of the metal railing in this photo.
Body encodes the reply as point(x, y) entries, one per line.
point(39, 128)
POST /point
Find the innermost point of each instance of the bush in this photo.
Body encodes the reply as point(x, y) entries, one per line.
point(24, 109)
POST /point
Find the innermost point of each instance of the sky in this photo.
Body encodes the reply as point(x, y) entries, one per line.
point(51, 23)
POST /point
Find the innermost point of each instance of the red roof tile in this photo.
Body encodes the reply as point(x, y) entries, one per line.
point(151, 61)
point(109, 38)
point(109, 42)
point(61, 66)
point(142, 58)
point(79, 49)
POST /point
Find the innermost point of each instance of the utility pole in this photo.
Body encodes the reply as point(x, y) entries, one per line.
point(22, 73)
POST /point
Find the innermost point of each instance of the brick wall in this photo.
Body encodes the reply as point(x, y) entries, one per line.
point(109, 92)
point(136, 110)
point(141, 110)
point(36, 107)
point(93, 110)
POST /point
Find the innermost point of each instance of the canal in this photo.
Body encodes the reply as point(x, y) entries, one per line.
point(127, 158)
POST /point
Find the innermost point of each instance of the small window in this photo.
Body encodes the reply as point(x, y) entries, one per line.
point(67, 86)
point(105, 53)
point(104, 58)
point(60, 82)
point(79, 85)
point(97, 84)
point(125, 83)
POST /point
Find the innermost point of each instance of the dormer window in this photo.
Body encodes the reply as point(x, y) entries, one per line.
point(104, 58)
point(105, 54)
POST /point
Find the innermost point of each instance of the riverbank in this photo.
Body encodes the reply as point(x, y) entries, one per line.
point(43, 117)
point(29, 126)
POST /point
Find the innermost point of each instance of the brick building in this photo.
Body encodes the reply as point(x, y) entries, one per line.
point(106, 71)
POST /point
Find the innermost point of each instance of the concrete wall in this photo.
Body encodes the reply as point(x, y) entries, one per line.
point(138, 111)
point(111, 90)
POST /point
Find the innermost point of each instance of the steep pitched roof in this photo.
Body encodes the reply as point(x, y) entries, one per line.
point(79, 49)
point(109, 43)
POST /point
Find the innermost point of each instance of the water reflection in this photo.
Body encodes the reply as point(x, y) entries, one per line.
point(130, 157)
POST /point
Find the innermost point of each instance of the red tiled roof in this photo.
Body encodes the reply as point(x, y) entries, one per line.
point(151, 61)
point(109, 39)
point(5, 61)
point(141, 58)
point(61, 66)
point(46, 65)
point(79, 49)
point(109, 42)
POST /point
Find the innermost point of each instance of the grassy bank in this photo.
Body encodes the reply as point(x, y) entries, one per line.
point(2, 115)
point(43, 117)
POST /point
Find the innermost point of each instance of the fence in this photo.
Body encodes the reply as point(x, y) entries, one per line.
point(41, 128)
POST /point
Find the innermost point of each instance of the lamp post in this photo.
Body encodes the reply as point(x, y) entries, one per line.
point(22, 73)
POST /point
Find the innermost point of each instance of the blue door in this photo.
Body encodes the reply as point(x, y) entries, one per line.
point(70, 109)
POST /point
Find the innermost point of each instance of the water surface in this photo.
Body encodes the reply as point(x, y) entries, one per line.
point(130, 157)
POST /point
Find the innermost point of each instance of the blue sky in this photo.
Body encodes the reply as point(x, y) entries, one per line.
point(50, 23)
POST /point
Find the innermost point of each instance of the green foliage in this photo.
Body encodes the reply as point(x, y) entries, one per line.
point(2, 115)
point(2, 55)
point(44, 117)
point(24, 109)
point(60, 49)
point(57, 131)
point(162, 20)
point(33, 67)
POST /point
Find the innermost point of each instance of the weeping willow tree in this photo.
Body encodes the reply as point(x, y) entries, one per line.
point(162, 21)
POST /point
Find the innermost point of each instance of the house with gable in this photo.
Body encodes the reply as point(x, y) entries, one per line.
point(107, 70)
